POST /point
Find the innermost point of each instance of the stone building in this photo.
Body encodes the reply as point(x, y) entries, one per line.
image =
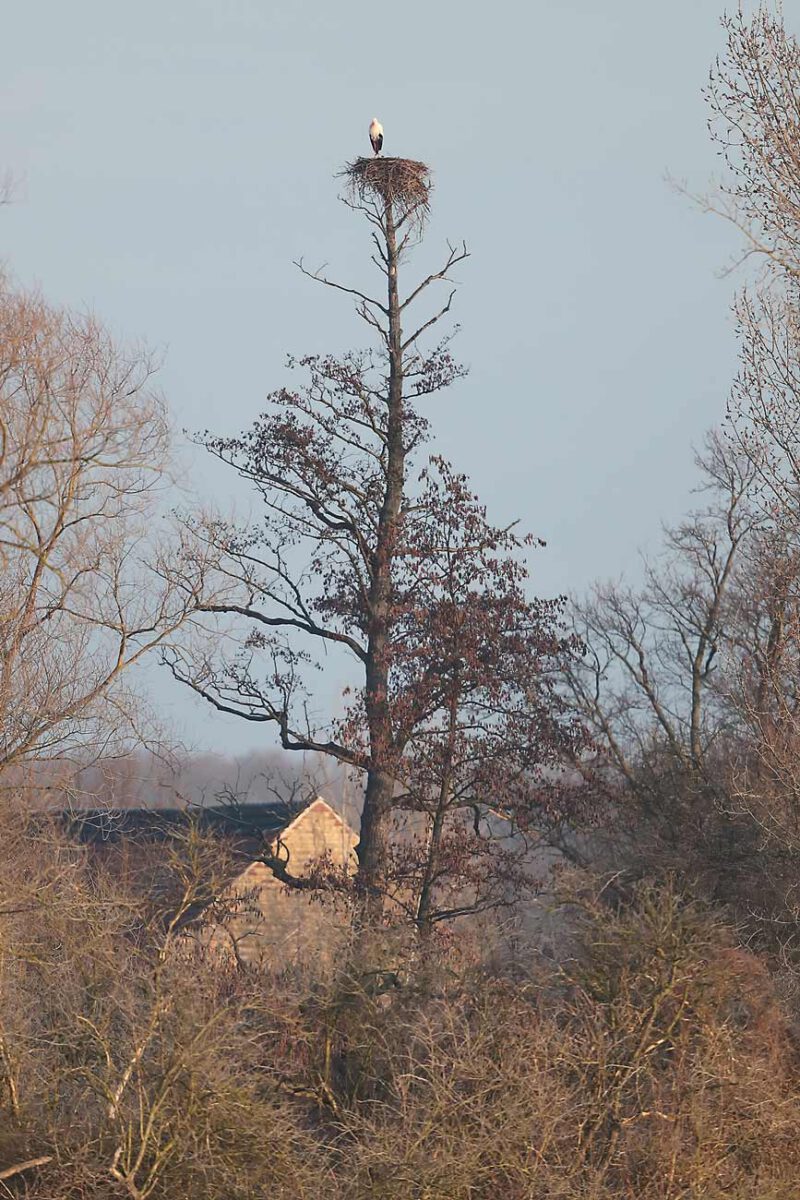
point(264, 921)
point(268, 922)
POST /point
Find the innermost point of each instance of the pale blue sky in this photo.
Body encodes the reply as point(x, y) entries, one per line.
point(174, 156)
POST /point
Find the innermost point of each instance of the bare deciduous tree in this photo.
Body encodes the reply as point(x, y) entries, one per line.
point(647, 684)
point(84, 442)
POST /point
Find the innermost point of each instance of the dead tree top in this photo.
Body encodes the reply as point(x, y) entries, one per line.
point(401, 182)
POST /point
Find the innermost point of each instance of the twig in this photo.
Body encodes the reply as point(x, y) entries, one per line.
point(18, 1168)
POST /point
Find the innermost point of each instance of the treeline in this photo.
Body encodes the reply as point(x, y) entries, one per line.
point(171, 777)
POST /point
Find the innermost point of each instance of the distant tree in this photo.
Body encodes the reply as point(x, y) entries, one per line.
point(654, 684)
point(365, 545)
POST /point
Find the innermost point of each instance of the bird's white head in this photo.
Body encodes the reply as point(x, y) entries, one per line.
point(375, 123)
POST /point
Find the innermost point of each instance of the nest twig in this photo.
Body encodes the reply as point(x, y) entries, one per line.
point(400, 182)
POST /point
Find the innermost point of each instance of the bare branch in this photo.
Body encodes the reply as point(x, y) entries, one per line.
point(318, 277)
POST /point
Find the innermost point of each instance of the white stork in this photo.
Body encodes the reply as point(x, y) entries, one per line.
point(376, 134)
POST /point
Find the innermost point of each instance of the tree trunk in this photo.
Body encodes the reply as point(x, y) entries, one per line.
point(373, 845)
point(426, 897)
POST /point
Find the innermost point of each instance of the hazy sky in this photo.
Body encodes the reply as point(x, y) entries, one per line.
point(175, 156)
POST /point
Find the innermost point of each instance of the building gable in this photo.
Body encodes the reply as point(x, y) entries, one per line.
point(269, 921)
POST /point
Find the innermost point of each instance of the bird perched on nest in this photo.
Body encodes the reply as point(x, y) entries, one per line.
point(376, 134)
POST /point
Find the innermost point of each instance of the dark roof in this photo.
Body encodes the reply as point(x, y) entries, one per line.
point(243, 822)
point(139, 843)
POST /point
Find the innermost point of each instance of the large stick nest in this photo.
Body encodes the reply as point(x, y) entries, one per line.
point(401, 182)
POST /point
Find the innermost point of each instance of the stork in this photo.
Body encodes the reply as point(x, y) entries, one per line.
point(376, 135)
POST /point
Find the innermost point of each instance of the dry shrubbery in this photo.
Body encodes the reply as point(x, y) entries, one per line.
point(126, 1059)
point(657, 1062)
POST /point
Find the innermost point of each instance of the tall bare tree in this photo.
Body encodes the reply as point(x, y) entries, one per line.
point(364, 547)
